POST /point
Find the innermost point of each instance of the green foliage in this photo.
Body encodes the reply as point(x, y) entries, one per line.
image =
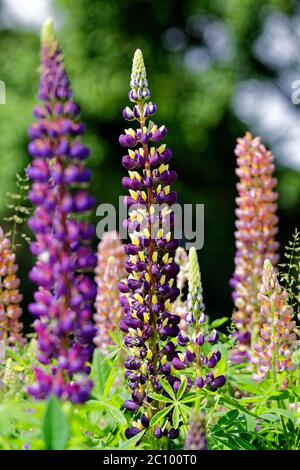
point(55, 426)
point(243, 415)
point(18, 206)
point(98, 38)
point(290, 274)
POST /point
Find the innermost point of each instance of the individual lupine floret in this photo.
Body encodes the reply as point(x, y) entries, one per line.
point(277, 341)
point(10, 297)
point(255, 237)
point(150, 288)
point(180, 304)
point(109, 271)
point(198, 336)
point(65, 297)
point(196, 435)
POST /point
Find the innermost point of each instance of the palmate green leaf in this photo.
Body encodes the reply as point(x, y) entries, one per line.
point(176, 416)
point(109, 383)
point(277, 396)
point(284, 413)
point(227, 441)
point(112, 355)
point(111, 410)
point(160, 415)
point(117, 339)
point(115, 414)
point(82, 422)
point(181, 390)
point(251, 423)
point(158, 397)
point(99, 373)
point(246, 383)
point(224, 400)
point(168, 388)
point(243, 443)
point(270, 417)
point(212, 401)
point(55, 426)
point(226, 420)
point(185, 410)
point(232, 441)
point(296, 390)
point(190, 397)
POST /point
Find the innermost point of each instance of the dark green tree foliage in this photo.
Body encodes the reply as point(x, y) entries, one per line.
point(191, 77)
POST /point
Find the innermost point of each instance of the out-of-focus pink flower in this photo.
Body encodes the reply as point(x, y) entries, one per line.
point(10, 297)
point(109, 271)
point(277, 341)
point(255, 236)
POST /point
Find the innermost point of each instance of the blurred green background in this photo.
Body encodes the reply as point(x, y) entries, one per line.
point(215, 69)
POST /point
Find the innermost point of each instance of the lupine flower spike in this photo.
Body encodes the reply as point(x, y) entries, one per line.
point(277, 341)
point(180, 304)
point(198, 337)
point(150, 288)
point(196, 436)
point(109, 271)
point(10, 297)
point(255, 237)
point(65, 297)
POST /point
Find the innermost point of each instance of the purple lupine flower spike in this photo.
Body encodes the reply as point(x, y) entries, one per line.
point(255, 238)
point(64, 300)
point(198, 338)
point(196, 435)
point(149, 290)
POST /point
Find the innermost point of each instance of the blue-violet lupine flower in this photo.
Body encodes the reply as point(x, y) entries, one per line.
point(64, 300)
point(150, 288)
point(193, 355)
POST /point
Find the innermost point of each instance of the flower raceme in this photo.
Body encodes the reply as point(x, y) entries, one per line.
point(10, 297)
point(109, 271)
point(65, 296)
point(196, 435)
point(273, 350)
point(150, 289)
point(180, 304)
point(255, 236)
point(198, 338)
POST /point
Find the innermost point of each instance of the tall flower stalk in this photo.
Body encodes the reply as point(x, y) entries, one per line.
point(10, 297)
point(255, 237)
point(180, 304)
point(200, 345)
point(64, 300)
point(273, 350)
point(109, 271)
point(150, 288)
